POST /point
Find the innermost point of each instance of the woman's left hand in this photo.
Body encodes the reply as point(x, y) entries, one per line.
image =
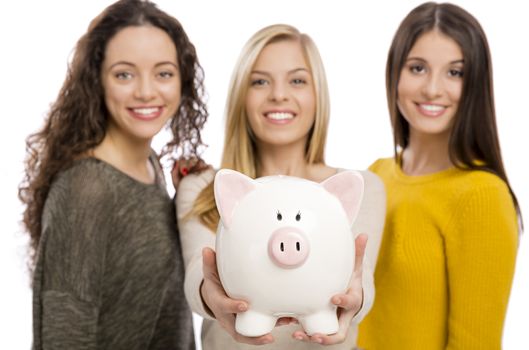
point(349, 303)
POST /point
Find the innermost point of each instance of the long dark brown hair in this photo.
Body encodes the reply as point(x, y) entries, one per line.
point(474, 142)
point(77, 120)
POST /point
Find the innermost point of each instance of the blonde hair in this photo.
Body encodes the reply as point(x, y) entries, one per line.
point(239, 151)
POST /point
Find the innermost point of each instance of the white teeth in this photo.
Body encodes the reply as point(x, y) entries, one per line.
point(145, 111)
point(433, 108)
point(280, 116)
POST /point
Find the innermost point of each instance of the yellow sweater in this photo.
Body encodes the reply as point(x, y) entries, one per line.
point(446, 261)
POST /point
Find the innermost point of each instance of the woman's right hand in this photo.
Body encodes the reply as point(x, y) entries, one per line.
point(222, 307)
point(185, 166)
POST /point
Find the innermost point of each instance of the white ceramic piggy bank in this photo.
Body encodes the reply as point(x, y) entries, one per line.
point(285, 245)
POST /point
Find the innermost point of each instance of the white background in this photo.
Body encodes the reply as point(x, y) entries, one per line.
point(37, 38)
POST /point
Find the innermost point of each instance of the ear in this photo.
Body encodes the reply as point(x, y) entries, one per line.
point(348, 187)
point(230, 187)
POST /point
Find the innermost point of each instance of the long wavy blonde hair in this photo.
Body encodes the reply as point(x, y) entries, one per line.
point(239, 151)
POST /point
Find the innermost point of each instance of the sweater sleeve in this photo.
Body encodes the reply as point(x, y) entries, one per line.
point(71, 269)
point(370, 220)
point(481, 245)
point(194, 236)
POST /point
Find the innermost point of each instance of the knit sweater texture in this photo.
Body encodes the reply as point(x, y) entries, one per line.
point(109, 272)
point(446, 261)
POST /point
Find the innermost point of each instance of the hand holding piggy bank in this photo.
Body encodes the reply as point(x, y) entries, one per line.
point(285, 245)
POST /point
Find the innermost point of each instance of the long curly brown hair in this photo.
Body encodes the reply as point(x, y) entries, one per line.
point(77, 120)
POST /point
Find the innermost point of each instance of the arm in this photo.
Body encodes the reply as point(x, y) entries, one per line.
point(70, 269)
point(370, 221)
point(194, 236)
point(369, 226)
point(202, 286)
point(481, 245)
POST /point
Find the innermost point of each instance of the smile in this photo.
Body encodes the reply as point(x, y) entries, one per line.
point(431, 110)
point(280, 116)
point(146, 113)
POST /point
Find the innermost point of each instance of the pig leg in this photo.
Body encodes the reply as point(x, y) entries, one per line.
point(254, 324)
point(323, 322)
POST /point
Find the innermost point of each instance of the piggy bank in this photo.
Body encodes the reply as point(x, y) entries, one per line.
point(285, 245)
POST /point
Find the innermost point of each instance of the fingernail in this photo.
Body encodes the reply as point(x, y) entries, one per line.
point(337, 301)
point(184, 171)
point(318, 340)
point(299, 337)
point(242, 307)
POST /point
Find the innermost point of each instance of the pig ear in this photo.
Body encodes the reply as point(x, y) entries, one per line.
point(348, 187)
point(230, 187)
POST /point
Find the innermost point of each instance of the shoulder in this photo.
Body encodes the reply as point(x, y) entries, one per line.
point(481, 197)
point(374, 198)
point(193, 184)
point(81, 197)
point(479, 186)
point(372, 182)
point(381, 164)
point(482, 178)
point(484, 204)
point(319, 172)
point(190, 187)
point(87, 181)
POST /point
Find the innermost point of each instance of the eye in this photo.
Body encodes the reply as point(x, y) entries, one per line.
point(298, 81)
point(259, 82)
point(123, 75)
point(166, 74)
point(417, 68)
point(279, 216)
point(298, 216)
point(458, 73)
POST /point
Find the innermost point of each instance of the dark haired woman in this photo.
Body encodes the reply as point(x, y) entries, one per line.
point(448, 252)
point(108, 271)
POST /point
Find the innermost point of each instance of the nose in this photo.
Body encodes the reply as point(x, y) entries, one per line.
point(145, 89)
point(288, 247)
point(433, 86)
point(278, 92)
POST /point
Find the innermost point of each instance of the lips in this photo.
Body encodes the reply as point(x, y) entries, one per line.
point(280, 117)
point(430, 109)
point(146, 113)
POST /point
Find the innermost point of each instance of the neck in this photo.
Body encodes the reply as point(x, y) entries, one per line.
point(129, 155)
point(426, 154)
point(282, 160)
point(290, 160)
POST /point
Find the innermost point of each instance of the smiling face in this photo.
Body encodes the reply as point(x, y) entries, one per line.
point(141, 81)
point(430, 84)
point(281, 102)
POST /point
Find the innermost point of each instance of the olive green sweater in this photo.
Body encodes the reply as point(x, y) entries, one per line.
point(109, 272)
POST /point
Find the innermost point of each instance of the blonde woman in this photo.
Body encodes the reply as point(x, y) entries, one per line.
point(277, 118)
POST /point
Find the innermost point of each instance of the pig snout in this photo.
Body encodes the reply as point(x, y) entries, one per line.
point(288, 247)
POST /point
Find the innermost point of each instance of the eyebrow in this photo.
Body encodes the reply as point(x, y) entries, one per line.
point(133, 65)
point(295, 70)
point(423, 60)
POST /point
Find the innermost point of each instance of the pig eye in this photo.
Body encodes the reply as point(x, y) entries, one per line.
point(298, 216)
point(279, 216)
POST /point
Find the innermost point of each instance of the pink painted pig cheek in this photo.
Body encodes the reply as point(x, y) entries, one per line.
point(288, 247)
